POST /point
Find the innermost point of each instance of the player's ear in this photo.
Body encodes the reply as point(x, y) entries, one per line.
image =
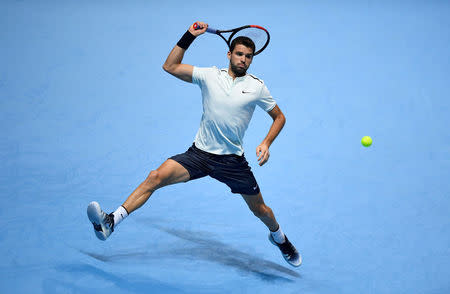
point(229, 55)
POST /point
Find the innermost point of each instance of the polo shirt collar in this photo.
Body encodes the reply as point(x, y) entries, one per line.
point(237, 78)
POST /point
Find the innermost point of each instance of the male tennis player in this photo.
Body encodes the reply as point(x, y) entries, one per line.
point(229, 99)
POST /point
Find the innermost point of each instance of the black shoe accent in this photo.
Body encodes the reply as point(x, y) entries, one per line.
point(97, 227)
point(287, 248)
point(288, 251)
point(109, 220)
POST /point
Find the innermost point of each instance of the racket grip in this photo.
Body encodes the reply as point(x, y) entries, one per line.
point(209, 29)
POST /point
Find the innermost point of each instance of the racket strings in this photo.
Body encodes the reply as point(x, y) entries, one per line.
point(258, 36)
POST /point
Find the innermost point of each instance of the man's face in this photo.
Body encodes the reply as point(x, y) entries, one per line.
point(240, 59)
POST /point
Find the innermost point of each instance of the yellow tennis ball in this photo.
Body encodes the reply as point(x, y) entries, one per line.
point(366, 141)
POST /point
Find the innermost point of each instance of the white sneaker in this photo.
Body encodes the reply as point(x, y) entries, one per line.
point(103, 223)
point(288, 251)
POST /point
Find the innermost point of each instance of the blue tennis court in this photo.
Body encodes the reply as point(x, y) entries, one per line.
point(86, 112)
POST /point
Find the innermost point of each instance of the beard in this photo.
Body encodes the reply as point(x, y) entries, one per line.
point(238, 71)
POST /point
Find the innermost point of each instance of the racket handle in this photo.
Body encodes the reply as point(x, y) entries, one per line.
point(209, 29)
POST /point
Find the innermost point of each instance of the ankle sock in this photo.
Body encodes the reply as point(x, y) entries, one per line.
point(278, 236)
point(119, 215)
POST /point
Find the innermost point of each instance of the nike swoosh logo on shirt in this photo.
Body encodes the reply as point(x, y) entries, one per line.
point(246, 92)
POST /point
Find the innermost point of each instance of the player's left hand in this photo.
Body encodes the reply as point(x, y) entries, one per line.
point(263, 154)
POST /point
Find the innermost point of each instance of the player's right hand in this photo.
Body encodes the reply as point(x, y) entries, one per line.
point(197, 32)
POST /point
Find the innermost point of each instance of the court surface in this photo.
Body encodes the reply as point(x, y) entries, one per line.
point(86, 112)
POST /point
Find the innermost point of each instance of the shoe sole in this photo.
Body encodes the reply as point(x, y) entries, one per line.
point(292, 264)
point(94, 213)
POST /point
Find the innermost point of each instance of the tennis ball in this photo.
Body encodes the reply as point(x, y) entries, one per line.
point(366, 141)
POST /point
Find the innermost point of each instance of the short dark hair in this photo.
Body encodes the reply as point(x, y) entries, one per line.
point(242, 40)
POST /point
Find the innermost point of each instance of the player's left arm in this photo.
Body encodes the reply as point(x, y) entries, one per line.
point(262, 151)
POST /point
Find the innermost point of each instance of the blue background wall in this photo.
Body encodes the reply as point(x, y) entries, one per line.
point(86, 111)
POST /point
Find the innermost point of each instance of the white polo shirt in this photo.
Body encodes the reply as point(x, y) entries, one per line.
point(228, 106)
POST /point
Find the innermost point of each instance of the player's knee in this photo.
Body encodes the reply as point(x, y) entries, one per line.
point(153, 180)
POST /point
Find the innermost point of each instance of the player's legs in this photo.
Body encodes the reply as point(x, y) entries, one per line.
point(276, 236)
point(261, 210)
point(170, 172)
point(179, 168)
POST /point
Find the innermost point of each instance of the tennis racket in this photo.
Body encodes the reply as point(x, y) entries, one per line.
point(259, 35)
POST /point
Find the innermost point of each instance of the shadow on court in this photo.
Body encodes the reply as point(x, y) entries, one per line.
point(133, 284)
point(204, 247)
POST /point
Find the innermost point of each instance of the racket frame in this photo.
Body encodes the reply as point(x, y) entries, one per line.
point(234, 32)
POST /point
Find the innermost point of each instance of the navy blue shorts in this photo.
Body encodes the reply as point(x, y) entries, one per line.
point(232, 169)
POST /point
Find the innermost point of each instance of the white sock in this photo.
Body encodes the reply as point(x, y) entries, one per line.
point(278, 236)
point(119, 215)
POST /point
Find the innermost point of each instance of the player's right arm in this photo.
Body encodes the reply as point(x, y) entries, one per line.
point(173, 63)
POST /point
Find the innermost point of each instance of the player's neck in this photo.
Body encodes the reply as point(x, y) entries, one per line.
point(233, 74)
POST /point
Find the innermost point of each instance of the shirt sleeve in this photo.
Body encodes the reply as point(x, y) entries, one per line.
point(266, 101)
point(199, 75)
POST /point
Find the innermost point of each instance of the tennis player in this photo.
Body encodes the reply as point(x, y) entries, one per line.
point(229, 99)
